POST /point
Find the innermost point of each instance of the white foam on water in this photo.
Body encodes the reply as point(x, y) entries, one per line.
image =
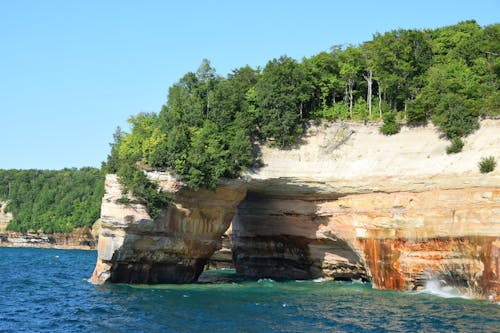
point(265, 280)
point(435, 287)
point(319, 280)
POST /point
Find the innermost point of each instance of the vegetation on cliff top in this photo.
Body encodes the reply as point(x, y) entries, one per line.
point(487, 164)
point(52, 200)
point(205, 131)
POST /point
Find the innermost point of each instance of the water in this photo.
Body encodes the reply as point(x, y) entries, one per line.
point(47, 291)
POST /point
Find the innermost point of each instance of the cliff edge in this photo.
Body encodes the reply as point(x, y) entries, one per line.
point(347, 203)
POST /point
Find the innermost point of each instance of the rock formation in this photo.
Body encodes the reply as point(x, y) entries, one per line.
point(348, 203)
point(78, 238)
point(173, 248)
point(4, 216)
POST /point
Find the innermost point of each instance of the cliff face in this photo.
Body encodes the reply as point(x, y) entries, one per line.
point(347, 203)
point(396, 240)
point(4, 217)
point(133, 248)
point(79, 238)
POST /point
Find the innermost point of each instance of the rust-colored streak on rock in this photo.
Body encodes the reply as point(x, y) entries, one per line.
point(470, 264)
point(381, 257)
point(490, 257)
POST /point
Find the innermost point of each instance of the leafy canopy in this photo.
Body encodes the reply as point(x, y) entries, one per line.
point(209, 124)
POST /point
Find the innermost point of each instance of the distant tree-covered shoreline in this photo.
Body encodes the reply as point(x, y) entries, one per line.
point(51, 201)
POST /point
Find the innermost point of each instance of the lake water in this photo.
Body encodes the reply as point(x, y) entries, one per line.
point(44, 290)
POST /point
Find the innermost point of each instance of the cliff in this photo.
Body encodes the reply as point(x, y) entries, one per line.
point(4, 217)
point(173, 248)
point(79, 238)
point(346, 203)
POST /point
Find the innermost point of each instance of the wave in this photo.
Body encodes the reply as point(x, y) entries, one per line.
point(437, 288)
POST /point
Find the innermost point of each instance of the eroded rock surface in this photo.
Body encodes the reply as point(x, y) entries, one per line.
point(78, 238)
point(133, 248)
point(5, 217)
point(348, 203)
point(396, 240)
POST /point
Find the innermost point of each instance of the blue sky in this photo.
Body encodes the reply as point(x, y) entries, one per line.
point(72, 71)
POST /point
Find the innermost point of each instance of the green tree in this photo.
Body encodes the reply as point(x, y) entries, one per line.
point(350, 71)
point(52, 200)
point(449, 98)
point(280, 103)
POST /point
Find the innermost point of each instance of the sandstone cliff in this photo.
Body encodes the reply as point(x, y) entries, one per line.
point(346, 203)
point(4, 217)
point(174, 248)
point(79, 238)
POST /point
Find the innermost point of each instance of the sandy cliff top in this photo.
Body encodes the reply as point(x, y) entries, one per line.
point(352, 157)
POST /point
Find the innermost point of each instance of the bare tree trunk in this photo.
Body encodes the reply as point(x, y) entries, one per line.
point(380, 102)
point(208, 104)
point(350, 97)
point(369, 82)
point(301, 107)
point(406, 108)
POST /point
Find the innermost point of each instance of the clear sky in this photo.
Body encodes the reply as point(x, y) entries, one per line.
point(72, 71)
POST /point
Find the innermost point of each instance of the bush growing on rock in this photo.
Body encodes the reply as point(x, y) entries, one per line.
point(455, 147)
point(487, 164)
point(390, 126)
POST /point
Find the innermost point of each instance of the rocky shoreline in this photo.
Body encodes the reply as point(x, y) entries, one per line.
point(79, 239)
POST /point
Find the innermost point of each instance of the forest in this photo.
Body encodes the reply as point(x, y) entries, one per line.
point(51, 201)
point(206, 130)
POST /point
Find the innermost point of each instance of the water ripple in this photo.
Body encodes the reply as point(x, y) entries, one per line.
point(46, 290)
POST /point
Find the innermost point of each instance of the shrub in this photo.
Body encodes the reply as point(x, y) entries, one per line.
point(487, 164)
point(390, 126)
point(123, 200)
point(456, 146)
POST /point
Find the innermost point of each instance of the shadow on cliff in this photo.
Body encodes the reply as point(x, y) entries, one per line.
point(278, 234)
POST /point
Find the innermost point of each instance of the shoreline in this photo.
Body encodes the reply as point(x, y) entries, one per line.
point(79, 239)
point(47, 246)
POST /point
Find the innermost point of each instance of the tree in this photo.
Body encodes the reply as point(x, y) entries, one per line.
point(402, 57)
point(113, 161)
point(350, 69)
point(280, 101)
point(368, 69)
point(52, 201)
point(449, 98)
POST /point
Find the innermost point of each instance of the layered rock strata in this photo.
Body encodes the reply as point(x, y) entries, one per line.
point(173, 248)
point(79, 238)
point(396, 240)
point(348, 203)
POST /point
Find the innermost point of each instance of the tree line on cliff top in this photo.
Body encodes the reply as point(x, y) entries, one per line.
point(205, 131)
point(52, 200)
point(209, 124)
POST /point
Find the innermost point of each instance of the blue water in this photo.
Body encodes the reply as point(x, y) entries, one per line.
point(45, 290)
